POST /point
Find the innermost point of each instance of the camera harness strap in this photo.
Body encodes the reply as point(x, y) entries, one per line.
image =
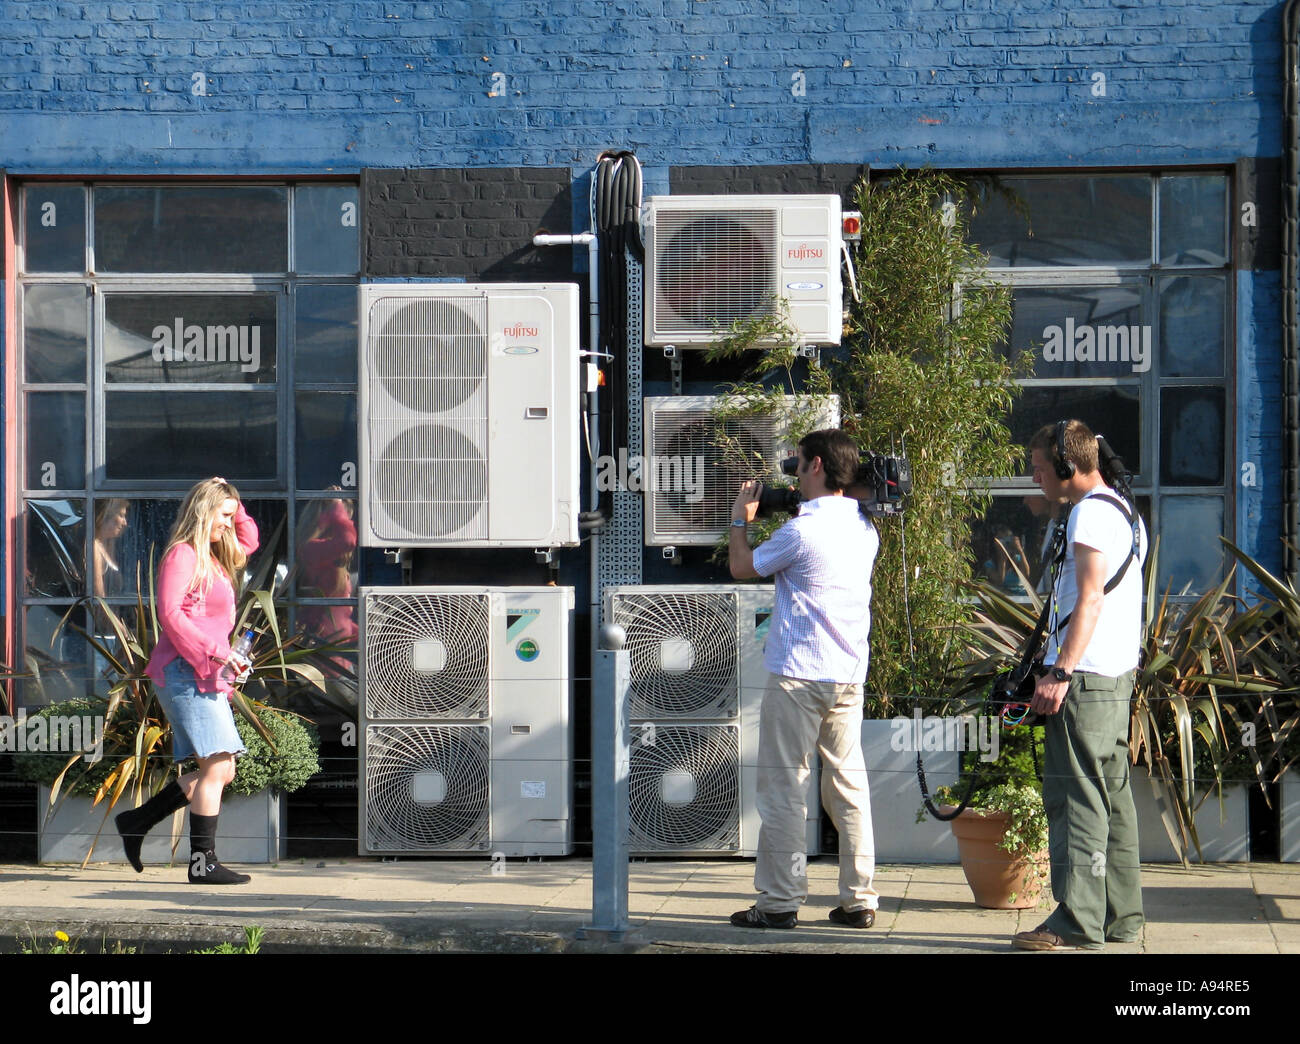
point(1034, 646)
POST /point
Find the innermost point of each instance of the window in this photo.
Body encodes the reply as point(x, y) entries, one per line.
point(1121, 288)
point(171, 332)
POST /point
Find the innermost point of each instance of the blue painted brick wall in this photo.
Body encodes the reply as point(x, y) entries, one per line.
point(528, 83)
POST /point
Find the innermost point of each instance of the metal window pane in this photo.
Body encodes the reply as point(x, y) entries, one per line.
point(1193, 325)
point(181, 229)
point(184, 436)
point(56, 440)
point(1081, 331)
point(325, 220)
point(130, 537)
point(325, 333)
point(63, 656)
point(1191, 553)
point(190, 338)
point(1193, 219)
point(56, 548)
point(55, 226)
point(55, 333)
point(325, 552)
point(1192, 435)
point(1067, 220)
point(1112, 411)
point(327, 440)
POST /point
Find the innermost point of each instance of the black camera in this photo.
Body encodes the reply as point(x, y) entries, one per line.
point(880, 486)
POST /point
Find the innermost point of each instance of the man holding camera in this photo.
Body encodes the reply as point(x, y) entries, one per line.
point(817, 658)
point(1091, 655)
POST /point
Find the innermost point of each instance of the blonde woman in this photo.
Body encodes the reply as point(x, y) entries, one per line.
point(197, 581)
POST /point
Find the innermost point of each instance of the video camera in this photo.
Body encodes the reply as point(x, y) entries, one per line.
point(881, 483)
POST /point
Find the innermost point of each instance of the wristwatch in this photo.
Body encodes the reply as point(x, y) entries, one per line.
point(739, 523)
point(1060, 674)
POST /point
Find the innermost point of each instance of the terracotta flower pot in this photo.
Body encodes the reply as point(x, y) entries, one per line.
point(995, 876)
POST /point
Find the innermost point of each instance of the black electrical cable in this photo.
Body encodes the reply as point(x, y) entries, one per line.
point(616, 204)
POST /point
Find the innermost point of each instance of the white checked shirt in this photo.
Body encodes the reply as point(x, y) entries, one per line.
point(822, 559)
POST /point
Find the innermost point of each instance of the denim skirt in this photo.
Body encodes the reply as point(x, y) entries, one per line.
point(202, 722)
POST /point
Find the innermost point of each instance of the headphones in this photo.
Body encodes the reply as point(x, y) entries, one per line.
point(1064, 468)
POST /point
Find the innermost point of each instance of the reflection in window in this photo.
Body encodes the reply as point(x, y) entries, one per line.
point(1068, 220)
point(1191, 554)
point(1108, 410)
point(1192, 430)
point(56, 440)
point(180, 229)
point(56, 654)
point(1081, 331)
point(325, 334)
point(327, 440)
point(55, 333)
point(1193, 325)
point(55, 224)
point(325, 229)
point(190, 338)
point(183, 436)
point(56, 548)
point(1193, 219)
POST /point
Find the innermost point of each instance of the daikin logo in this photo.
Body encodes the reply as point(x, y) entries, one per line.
point(520, 330)
point(209, 344)
point(803, 252)
point(1085, 343)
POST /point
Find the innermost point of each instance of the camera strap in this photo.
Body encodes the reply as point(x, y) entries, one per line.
point(1060, 548)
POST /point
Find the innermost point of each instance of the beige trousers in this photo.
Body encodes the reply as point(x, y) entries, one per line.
point(799, 718)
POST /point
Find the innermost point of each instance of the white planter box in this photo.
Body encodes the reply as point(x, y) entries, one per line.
point(1223, 840)
point(250, 830)
point(1288, 835)
point(896, 795)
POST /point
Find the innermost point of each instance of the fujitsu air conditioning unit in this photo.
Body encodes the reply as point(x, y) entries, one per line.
point(714, 260)
point(695, 463)
point(468, 415)
point(466, 734)
point(697, 679)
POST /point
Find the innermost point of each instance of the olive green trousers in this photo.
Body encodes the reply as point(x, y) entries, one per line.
point(1091, 821)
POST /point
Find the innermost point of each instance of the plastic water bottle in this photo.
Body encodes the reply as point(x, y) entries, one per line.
point(241, 648)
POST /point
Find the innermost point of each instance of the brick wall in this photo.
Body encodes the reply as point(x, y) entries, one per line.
point(174, 86)
point(471, 224)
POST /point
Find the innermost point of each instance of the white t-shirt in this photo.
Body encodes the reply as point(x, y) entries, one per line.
point(1116, 641)
point(822, 560)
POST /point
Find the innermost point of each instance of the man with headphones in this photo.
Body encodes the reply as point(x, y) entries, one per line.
point(1093, 641)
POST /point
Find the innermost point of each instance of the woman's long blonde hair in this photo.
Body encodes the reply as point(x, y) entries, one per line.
point(194, 527)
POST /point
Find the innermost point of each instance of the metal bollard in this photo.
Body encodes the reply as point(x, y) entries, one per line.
point(610, 765)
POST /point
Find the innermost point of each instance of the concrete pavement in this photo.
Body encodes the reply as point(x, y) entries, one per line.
point(471, 906)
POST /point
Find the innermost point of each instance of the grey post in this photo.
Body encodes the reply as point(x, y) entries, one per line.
point(610, 763)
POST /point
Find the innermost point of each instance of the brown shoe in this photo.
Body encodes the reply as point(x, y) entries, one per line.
point(853, 918)
point(1041, 938)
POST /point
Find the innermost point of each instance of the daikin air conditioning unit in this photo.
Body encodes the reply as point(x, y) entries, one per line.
point(466, 734)
point(696, 463)
point(714, 260)
point(468, 415)
point(697, 680)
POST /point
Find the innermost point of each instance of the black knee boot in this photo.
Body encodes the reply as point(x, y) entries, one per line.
point(134, 823)
point(205, 867)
